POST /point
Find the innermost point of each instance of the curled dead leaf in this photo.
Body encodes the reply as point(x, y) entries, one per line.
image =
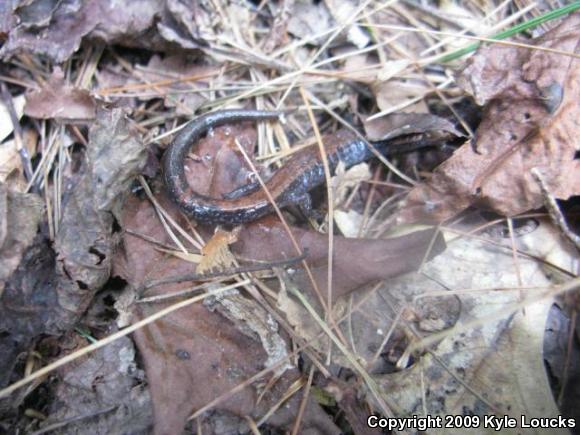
point(530, 121)
point(400, 124)
point(216, 252)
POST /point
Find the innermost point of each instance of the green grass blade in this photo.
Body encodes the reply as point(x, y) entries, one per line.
point(514, 30)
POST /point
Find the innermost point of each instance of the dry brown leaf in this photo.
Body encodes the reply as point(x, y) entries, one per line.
point(63, 26)
point(11, 170)
point(59, 100)
point(55, 281)
point(530, 121)
point(401, 124)
point(357, 262)
point(190, 346)
point(495, 364)
point(216, 252)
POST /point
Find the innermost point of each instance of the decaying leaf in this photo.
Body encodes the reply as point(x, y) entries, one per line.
point(20, 215)
point(349, 222)
point(84, 243)
point(63, 25)
point(344, 180)
point(61, 101)
point(254, 321)
point(188, 347)
point(530, 121)
point(561, 359)
point(184, 23)
point(309, 19)
point(177, 79)
point(105, 392)
point(54, 283)
point(392, 92)
point(343, 11)
point(180, 68)
point(494, 363)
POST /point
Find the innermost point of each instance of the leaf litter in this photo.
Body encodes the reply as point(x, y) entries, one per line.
point(529, 122)
point(432, 340)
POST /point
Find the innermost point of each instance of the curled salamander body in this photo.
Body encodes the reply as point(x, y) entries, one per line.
point(288, 185)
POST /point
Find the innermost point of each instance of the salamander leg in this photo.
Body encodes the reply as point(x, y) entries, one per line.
point(244, 190)
point(304, 203)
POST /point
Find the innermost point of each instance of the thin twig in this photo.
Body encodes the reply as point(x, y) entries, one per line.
point(22, 151)
point(554, 211)
point(227, 272)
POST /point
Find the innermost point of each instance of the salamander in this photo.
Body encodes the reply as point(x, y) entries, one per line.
point(288, 185)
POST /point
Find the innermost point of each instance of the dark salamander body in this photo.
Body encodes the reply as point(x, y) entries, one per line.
point(289, 185)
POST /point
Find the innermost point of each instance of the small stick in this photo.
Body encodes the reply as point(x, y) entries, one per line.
point(228, 272)
point(24, 157)
point(554, 211)
point(54, 426)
